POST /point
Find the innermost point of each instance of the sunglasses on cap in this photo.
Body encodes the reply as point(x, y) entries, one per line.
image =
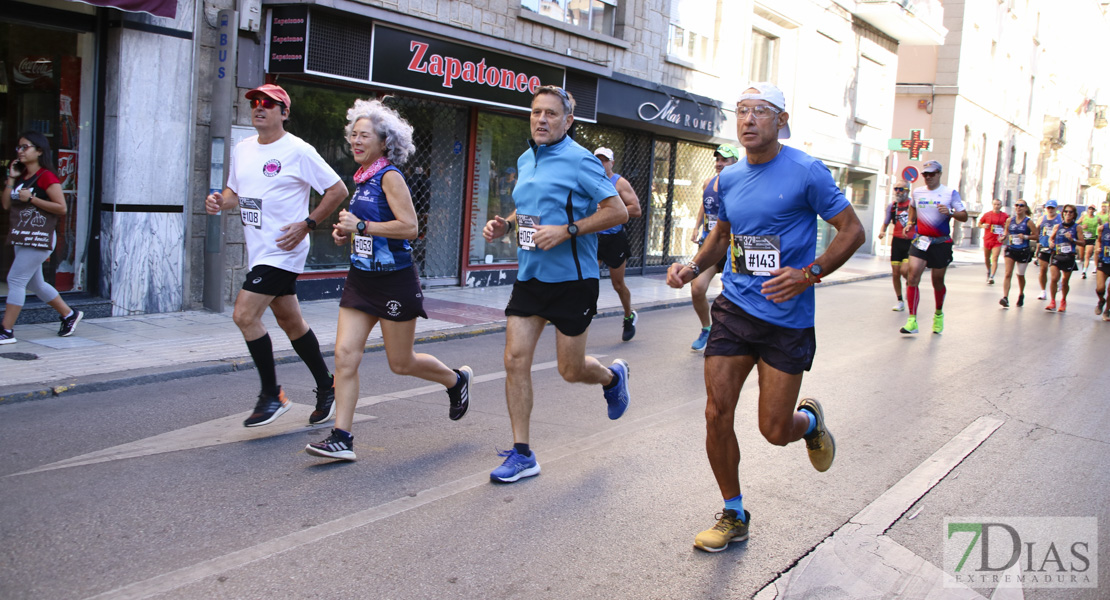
point(266, 103)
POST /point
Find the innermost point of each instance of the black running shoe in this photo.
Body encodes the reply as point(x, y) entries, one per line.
point(325, 404)
point(1021, 300)
point(1005, 302)
point(7, 336)
point(70, 323)
point(268, 409)
point(630, 326)
point(460, 394)
point(337, 445)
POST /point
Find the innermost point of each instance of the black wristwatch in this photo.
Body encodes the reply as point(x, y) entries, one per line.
point(311, 224)
point(572, 229)
point(361, 227)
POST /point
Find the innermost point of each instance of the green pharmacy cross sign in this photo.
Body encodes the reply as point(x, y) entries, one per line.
point(915, 145)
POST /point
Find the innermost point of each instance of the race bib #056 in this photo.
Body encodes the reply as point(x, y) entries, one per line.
point(250, 211)
point(526, 229)
point(363, 245)
point(756, 254)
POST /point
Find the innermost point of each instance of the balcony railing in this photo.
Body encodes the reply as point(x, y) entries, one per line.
point(912, 22)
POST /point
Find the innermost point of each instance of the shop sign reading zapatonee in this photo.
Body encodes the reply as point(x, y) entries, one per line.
point(420, 63)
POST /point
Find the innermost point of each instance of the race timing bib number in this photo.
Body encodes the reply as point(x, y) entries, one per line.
point(710, 223)
point(250, 211)
point(526, 231)
point(1016, 240)
point(922, 242)
point(1063, 249)
point(756, 254)
point(996, 229)
point(363, 245)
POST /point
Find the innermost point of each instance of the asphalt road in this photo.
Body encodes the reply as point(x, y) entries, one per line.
point(180, 505)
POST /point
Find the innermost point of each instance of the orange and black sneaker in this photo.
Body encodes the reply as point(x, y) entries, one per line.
point(729, 528)
point(325, 404)
point(268, 409)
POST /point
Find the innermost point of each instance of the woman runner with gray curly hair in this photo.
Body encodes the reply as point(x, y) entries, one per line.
point(382, 285)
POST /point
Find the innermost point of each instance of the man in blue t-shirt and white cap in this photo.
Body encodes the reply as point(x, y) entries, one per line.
point(767, 224)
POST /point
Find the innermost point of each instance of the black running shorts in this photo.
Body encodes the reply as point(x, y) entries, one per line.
point(1064, 262)
point(1044, 255)
point(569, 305)
point(899, 250)
point(389, 295)
point(937, 256)
point(737, 333)
point(1104, 268)
point(613, 248)
point(1020, 255)
point(270, 281)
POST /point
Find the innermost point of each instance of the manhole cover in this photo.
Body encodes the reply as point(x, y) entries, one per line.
point(19, 355)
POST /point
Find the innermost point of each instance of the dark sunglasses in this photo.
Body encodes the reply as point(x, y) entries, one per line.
point(1020, 206)
point(901, 190)
point(266, 103)
point(931, 174)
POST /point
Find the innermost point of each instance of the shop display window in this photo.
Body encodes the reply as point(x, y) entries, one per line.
point(500, 141)
point(46, 86)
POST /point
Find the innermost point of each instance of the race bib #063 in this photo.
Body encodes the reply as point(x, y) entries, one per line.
point(250, 211)
point(756, 254)
point(363, 245)
point(526, 229)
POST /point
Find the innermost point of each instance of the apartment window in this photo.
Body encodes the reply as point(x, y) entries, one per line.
point(690, 34)
point(827, 75)
point(765, 48)
point(871, 91)
point(598, 16)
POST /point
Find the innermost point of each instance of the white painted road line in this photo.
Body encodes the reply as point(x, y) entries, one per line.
point(859, 561)
point(168, 582)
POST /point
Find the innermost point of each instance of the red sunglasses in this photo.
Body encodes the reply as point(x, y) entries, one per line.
point(266, 103)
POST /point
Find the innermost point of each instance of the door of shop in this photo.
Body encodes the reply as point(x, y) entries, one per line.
point(679, 172)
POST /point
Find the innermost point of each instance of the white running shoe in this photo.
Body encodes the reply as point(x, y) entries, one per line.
point(899, 307)
point(1043, 296)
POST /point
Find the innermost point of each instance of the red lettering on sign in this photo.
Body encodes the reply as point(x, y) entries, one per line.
point(534, 84)
point(435, 65)
point(468, 72)
point(481, 67)
point(521, 82)
point(493, 76)
point(453, 69)
point(418, 50)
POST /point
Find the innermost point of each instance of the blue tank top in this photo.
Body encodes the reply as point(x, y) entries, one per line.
point(1064, 246)
point(1046, 228)
point(369, 204)
point(1104, 237)
point(1019, 229)
point(710, 203)
point(615, 228)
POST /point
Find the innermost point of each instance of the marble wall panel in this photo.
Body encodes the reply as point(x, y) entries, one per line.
point(145, 256)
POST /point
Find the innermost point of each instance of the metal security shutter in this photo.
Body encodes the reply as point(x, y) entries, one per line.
point(584, 90)
point(338, 46)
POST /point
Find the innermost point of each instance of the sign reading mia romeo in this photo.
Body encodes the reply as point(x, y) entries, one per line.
point(411, 61)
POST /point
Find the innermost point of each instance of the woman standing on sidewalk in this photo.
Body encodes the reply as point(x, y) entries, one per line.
point(1063, 240)
point(382, 285)
point(34, 196)
point(1019, 230)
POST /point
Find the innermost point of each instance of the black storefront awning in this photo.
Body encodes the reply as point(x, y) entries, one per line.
point(158, 8)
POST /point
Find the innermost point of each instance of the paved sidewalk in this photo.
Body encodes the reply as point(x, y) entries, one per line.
point(114, 352)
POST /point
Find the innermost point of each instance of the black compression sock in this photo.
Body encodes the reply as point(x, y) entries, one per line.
point(262, 352)
point(308, 348)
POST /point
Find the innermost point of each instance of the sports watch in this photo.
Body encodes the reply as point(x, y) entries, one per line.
point(361, 227)
point(814, 272)
point(311, 224)
point(572, 229)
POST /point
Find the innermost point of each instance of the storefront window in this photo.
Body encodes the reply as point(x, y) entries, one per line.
point(501, 140)
point(46, 86)
point(681, 168)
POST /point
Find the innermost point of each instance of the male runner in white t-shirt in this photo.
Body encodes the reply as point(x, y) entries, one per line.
point(269, 180)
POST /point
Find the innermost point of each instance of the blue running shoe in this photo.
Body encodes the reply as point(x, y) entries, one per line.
point(699, 344)
point(515, 467)
point(617, 396)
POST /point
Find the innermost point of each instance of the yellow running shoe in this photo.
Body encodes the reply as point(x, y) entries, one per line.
point(728, 529)
point(938, 322)
point(819, 443)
